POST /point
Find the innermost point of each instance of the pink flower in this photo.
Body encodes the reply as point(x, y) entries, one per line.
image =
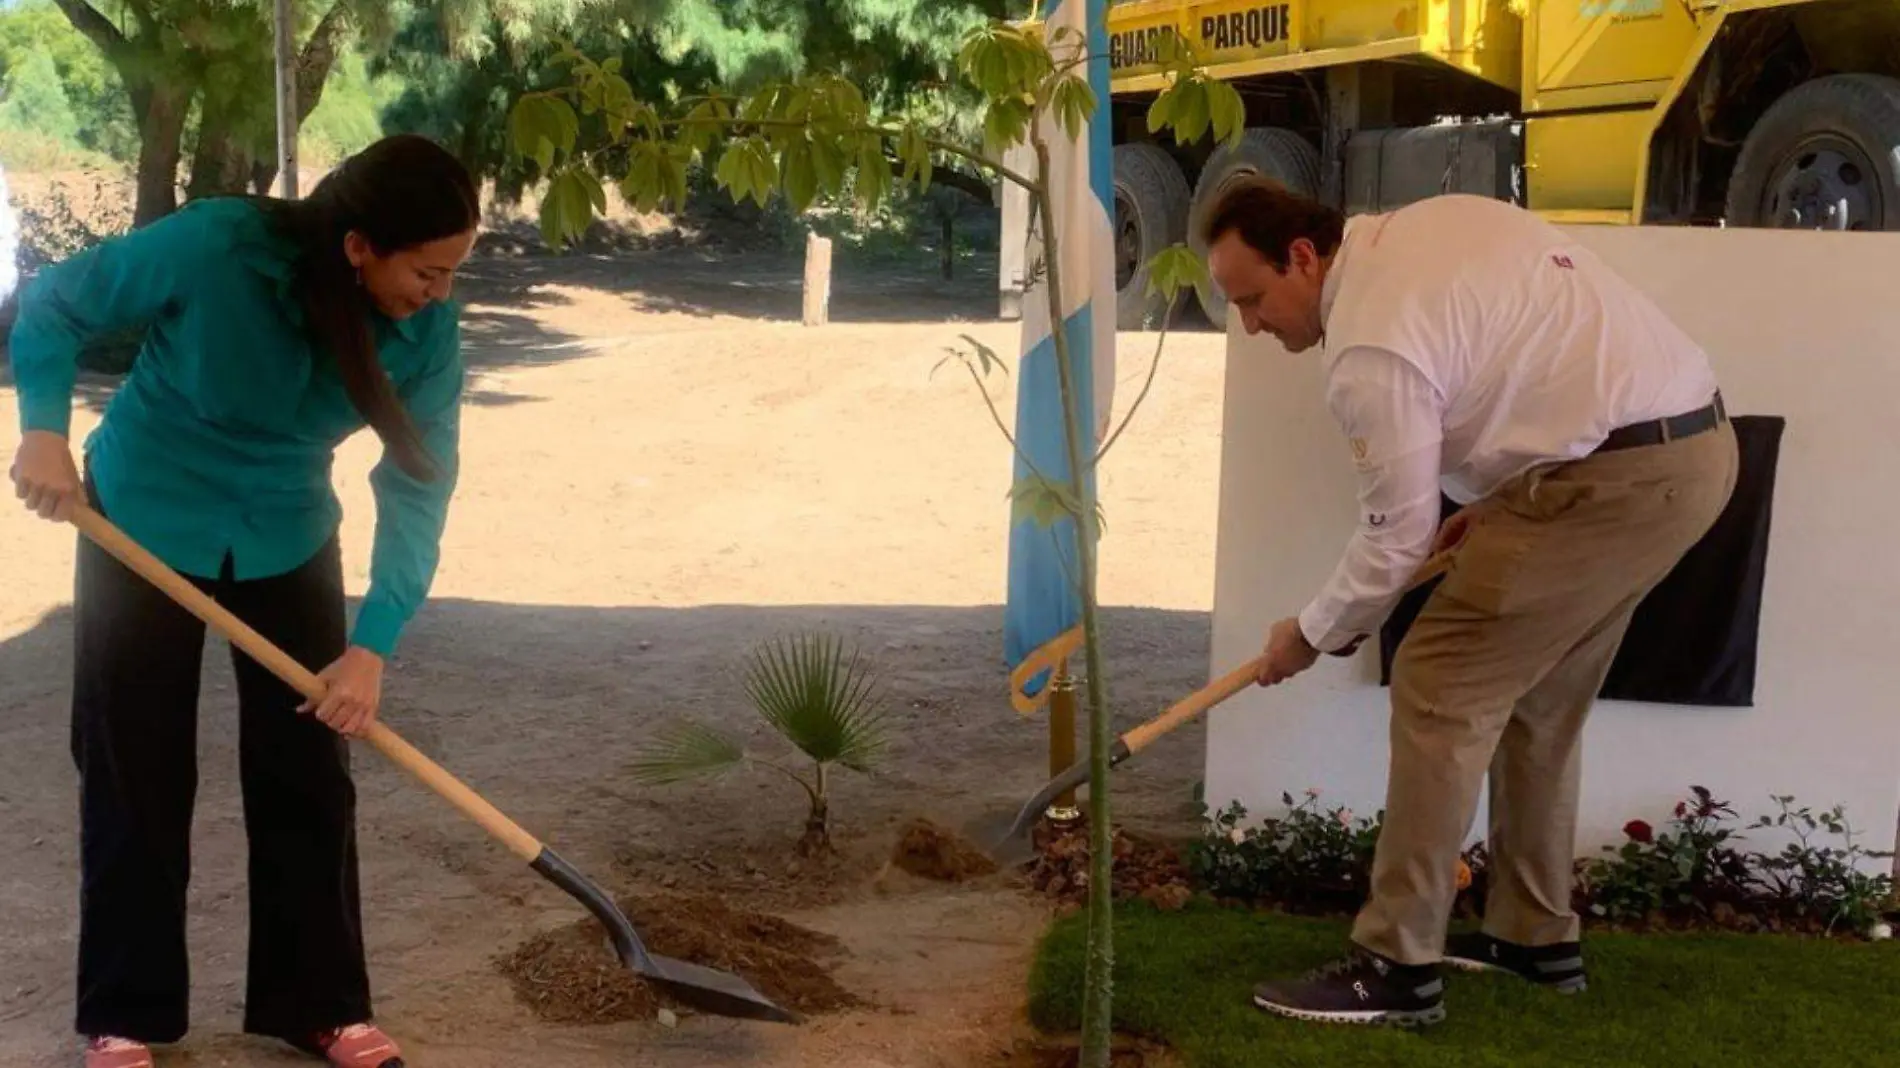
point(1312, 791)
point(1345, 817)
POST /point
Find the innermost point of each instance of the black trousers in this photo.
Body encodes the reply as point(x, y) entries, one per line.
point(137, 657)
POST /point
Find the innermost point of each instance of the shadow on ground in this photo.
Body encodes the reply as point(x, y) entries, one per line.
point(528, 689)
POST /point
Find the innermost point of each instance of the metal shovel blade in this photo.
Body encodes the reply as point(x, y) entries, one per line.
point(706, 989)
point(1007, 838)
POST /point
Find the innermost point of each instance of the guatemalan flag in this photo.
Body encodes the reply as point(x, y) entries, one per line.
point(1043, 616)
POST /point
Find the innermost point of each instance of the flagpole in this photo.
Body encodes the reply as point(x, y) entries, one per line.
point(285, 62)
point(1062, 687)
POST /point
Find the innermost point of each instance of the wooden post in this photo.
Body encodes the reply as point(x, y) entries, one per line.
point(1062, 687)
point(817, 280)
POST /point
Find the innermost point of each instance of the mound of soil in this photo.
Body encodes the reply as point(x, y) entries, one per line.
point(571, 976)
point(1151, 871)
point(930, 851)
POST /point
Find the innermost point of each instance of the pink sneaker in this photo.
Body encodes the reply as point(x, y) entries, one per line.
point(106, 1051)
point(355, 1046)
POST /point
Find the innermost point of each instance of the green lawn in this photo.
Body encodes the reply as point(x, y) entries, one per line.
point(1186, 978)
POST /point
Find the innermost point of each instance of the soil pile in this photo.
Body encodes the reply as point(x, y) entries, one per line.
point(1148, 870)
point(571, 976)
point(930, 851)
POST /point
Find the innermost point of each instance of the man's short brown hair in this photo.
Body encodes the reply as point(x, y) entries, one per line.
point(1269, 218)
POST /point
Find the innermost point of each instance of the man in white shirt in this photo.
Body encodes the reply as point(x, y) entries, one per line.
point(1471, 347)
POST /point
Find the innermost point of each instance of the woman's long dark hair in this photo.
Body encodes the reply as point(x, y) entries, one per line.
point(400, 192)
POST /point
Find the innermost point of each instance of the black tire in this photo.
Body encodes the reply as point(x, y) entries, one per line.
point(1825, 144)
point(1279, 155)
point(1151, 214)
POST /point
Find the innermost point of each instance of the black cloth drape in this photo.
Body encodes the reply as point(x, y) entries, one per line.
point(1693, 640)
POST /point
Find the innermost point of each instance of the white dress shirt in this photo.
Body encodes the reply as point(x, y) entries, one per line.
point(1466, 341)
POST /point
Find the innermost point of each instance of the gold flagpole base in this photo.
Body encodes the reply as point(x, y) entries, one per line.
point(1062, 700)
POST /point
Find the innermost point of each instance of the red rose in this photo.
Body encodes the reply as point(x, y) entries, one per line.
point(1682, 809)
point(1638, 831)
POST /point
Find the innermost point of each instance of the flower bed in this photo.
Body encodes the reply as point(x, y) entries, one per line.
point(1693, 872)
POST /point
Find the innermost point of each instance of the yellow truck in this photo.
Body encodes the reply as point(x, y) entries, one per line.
point(1758, 113)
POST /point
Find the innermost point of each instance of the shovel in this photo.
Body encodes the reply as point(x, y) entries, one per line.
point(702, 988)
point(1006, 839)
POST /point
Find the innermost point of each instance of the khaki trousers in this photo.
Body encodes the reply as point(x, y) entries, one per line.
point(1498, 674)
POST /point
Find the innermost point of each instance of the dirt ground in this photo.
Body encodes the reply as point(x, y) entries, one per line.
point(662, 468)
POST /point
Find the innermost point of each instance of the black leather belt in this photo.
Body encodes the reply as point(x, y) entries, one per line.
point(1662, 431)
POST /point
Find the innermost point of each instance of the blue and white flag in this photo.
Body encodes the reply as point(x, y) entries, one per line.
point(1043, 615)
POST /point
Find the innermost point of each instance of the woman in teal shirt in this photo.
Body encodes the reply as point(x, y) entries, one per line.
point(272, 331)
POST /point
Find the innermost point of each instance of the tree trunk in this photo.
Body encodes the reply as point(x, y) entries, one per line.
point(161, 93)
point(222, 164)
point(161, 116)
point(949, 244)
point(817, 837)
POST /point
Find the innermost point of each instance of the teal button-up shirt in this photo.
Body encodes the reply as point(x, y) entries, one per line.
point(221, 439)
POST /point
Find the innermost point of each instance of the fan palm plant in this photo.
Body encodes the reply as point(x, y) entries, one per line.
point(819, 695)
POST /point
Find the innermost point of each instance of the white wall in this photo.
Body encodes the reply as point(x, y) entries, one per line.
point(1799, 325)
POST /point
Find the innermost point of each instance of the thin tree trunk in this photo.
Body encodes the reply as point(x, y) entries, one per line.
point(1099, 963)
point(949, 244)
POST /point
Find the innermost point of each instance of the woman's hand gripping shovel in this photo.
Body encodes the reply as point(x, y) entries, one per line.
point(705, 989)
point(1007, 838)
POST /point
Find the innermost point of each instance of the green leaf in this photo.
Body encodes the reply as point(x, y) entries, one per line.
point(764, 168)
point(828, 162)
point(913, 148)
point(596, 195)
point(1043, 501)
point(677, 160)
point(1229, 112)
point(1176, 268)
point(1005, 124)
point(704, 124)
point(801, 174)
point(821, 697)
point(985, 355)
point(1162, 111)
point(645, 183)
point(567, 207)
point(1192, 118)
point(874, 171)
point(733, 174)
point(683, 751)
point(1073, 102)
point(543, 127)
point(623, 111)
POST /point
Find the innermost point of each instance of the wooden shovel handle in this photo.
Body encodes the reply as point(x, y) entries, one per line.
point(238, 633)
point(1138, 738)
point(1192, 705)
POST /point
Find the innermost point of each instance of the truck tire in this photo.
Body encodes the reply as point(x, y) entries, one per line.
point(1279, 155)
point(1151, 214)
point(1822, 158)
